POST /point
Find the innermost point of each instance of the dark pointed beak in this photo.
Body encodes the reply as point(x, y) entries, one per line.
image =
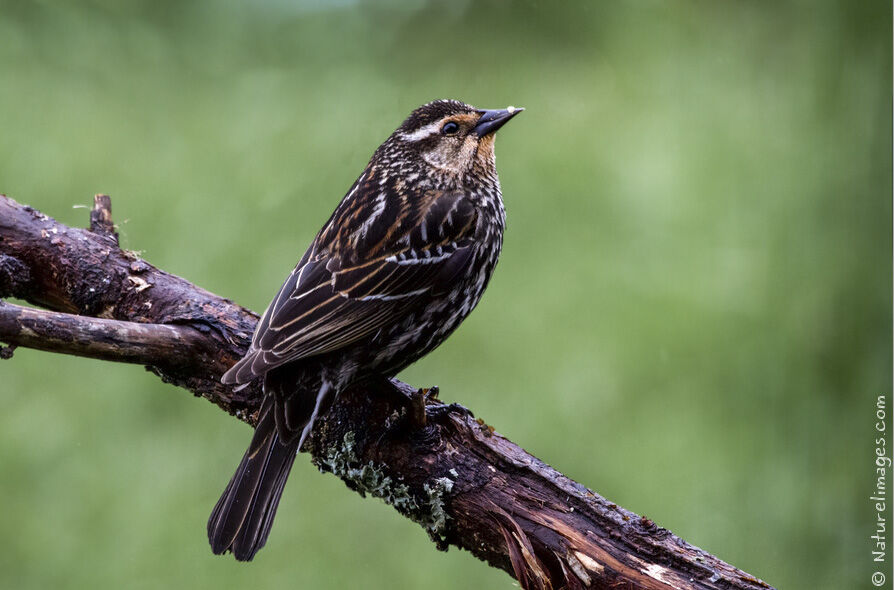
point(490, 121)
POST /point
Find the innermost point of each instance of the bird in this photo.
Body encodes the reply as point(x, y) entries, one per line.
point(401, 262)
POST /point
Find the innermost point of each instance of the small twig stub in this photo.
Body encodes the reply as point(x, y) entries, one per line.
point(101, 217)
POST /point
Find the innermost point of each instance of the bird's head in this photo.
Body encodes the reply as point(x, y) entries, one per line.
point(453, 138)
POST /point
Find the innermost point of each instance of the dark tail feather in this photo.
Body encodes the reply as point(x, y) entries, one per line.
point(240, 522)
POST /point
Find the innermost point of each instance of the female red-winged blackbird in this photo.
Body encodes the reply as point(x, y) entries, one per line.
point(400, 263)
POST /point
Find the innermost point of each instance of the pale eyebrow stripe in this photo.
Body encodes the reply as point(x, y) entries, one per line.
point(422, 132)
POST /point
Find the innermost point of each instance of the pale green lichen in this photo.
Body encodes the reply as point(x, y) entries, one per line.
point(370, 479)
point(436, 523)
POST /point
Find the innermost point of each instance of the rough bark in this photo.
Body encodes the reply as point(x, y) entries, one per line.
point(464, 483)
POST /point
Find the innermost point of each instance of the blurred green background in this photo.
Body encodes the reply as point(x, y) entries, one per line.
point(691, 315)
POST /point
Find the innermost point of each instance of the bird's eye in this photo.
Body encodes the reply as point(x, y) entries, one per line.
point(449, 128)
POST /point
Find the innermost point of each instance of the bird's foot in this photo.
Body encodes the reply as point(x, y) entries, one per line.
point(439, 413)
point(427, 409)
point(419, 409)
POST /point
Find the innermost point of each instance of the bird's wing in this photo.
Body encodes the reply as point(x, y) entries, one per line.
point(336, 297)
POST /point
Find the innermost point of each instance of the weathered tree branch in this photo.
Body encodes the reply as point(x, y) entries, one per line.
point(161, 345)
point(464, 483)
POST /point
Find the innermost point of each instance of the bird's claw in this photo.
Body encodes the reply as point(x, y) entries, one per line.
point(425, 409)
point(422, 408)
point(439, 413)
